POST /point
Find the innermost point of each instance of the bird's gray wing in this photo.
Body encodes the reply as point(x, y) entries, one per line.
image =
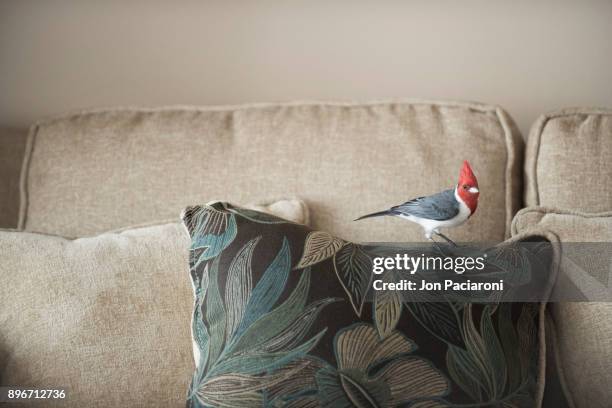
point(439, 207)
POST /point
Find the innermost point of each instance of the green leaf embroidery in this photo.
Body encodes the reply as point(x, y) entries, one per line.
point(238, 390)
point(286, 324)
point(239, 286)
point(258, 362)
point(215, 315)
point(266, 340)
point(268, 289)
point(200, 332)
point(214, 233)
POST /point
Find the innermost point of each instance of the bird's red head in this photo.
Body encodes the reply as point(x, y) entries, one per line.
point(467, 188)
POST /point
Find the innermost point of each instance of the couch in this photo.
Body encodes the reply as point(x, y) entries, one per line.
point(94, 171)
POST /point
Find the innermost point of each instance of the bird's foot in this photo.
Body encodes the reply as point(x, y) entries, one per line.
point(447, 239)
point(437, 246)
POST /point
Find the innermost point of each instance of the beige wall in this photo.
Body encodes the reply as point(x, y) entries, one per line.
point(528, 56)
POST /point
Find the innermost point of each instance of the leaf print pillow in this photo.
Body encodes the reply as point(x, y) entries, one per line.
point(282, 318)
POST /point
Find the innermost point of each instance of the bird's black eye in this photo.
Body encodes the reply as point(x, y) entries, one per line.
point(465, 186)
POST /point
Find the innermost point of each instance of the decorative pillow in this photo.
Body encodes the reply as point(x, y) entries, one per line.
point(281, 319)
point(105, 317)
point(582, 330)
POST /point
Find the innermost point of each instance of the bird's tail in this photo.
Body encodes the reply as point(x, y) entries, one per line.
point(376, 214)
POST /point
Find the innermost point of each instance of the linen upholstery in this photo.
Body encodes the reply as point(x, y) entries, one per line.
point(567, 163)
point(98, 170)
point(583, 331)
point(107, 317)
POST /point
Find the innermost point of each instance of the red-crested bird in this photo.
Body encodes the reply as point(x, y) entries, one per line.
point(447, 209)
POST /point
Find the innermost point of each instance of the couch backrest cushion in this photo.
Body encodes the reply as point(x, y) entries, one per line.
point(568, 162)
point(94, 171)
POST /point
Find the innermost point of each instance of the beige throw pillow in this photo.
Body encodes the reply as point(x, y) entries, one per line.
point(106, 317)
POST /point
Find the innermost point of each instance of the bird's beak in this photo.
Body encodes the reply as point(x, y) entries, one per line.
point(473, 190)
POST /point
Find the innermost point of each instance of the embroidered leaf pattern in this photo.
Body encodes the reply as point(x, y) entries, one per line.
point(302, 382)
point(510, 346)
point(464, 371)
point(387, 308)
point(277, 330)
point(215, 315)
point(513, 259)
point(495, 354)
point(401, 378)
point(268, 289)
point(239, 286)
point(247, 338)
point(239, 390)
point(483, 369)
point(439, 318)
point(318, 247)
point(354, 270)
point(211, 230)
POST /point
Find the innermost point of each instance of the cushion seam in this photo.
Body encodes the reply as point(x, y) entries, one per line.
point(533, 167)
point(24, 177)
point(578, 111)
point(546, 210)
point(561, 211)
point(476, 106)
point(508, 179)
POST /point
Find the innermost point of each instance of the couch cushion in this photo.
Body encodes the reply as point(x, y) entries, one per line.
point(568, 163)
point(583, 331)
point(94, 171)
point(107, 316)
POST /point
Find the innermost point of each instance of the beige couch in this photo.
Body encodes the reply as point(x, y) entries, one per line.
point(94, 171)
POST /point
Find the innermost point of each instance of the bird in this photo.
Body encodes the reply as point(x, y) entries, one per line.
point(446, 209)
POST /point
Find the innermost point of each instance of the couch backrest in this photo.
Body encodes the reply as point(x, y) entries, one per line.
point(568, 162)
point(94, 171)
